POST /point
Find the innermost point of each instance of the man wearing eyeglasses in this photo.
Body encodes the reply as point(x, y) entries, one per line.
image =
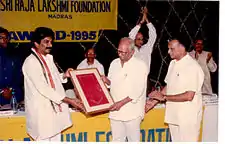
point(91, 62)
point(11, 78)
point(127, 80)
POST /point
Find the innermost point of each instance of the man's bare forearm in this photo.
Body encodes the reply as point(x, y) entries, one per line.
point(186, 96)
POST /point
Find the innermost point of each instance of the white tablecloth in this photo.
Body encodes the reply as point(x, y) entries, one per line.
point(210, 119)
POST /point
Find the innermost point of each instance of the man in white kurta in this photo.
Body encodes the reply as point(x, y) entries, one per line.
point(144, 52)
point(184, 75)
point(47, 113)
point(91, 62)
point(205, 60)
point(182, 93)
point(42, 121)
point(127, 79)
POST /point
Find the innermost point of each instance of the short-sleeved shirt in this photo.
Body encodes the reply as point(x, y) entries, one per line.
point(184, 75)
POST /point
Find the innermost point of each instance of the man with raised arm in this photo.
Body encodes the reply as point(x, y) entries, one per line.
point(144, 51)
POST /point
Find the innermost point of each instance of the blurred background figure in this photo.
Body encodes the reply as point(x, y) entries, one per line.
point(90, 61)
point(205, 60)
point(11, 77)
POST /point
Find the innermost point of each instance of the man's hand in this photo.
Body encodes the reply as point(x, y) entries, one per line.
point(144, 10)
point(76, 103)
point(149, 105)
point(143, 19)
point(209, 56)
point(152, 93)
point(7, 93)
point(105, 80)
point(67, 73)
point(157, 95)
point(116, 106)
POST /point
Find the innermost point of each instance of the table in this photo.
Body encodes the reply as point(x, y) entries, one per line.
point(210, 123)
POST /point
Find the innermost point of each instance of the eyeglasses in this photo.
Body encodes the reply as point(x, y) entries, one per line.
point(122, 52)
point(4, 38)
point(90, 53)
point(140, 39)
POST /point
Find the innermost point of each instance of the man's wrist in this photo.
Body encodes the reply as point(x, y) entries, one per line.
point(164, 97)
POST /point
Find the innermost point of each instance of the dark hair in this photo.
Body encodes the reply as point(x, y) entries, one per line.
point(40, 33)
point(183, 39)
point(195, 40)
point(87, 49)
point(3, 30)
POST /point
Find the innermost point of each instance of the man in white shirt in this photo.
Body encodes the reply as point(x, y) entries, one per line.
point(91, 62)
point(205, 59)
point(46, 104)
point(182, 94)
point(144, 52)
point(127, 79)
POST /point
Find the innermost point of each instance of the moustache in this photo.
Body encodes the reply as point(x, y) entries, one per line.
point(49, 48)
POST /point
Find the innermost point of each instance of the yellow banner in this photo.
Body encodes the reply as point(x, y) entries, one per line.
point(91, 129)
point(60, 36)
point(69, 16)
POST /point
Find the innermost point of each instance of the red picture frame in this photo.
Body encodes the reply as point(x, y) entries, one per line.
point(92, 91)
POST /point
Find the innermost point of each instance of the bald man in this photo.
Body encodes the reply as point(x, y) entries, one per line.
point(182, 94)
point(128, 89)
point(143, 52)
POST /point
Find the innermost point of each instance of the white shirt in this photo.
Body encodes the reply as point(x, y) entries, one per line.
point(207, 68)
point(128, 81)
point(144, 53)
point(41, 120)
point(96, 64)
point(184, 75)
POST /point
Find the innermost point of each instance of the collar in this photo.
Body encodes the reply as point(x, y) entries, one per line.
point(91, 64)
point(182, 60)
point(128, 62)
point(44, 56)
